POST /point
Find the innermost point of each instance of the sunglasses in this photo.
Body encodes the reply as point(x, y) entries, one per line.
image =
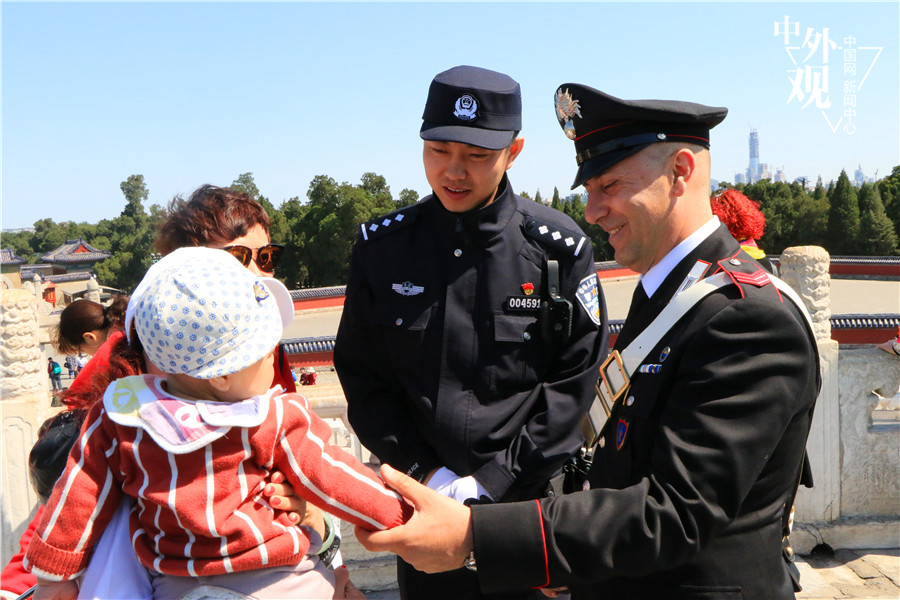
point(266, 259)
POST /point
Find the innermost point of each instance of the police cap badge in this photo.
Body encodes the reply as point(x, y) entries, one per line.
point(473, 106)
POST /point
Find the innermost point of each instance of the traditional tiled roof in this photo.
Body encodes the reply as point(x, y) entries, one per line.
point(75, 251)
point(9, 257)
point(878, 321)
point(310, 344)
point(28, 274)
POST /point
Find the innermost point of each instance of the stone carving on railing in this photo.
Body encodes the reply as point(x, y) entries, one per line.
point(21, 369)
point(870, 471)
point(805, 269)
point(24, 394)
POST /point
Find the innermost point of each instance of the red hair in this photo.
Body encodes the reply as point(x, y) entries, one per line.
point(740, 214)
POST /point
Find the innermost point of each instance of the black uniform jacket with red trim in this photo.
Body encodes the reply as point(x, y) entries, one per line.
point(440, 349)
point(696, 464)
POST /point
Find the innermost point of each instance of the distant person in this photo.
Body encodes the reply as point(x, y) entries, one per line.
point(199, 521)
point(55, 373)
point(309, 377)
point(80, 361)
point(71, 365)
point(745, 222)
point(85, 325)
point(891, 346)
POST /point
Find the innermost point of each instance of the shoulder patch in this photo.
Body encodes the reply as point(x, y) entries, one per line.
point(746, 273)
point(553, 236)
point(380, 226)
point(589, 297)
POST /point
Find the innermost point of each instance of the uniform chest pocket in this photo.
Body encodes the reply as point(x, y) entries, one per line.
point(515, 357)
point(404, 325)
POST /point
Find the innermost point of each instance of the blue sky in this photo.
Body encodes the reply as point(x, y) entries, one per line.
point(193, 93)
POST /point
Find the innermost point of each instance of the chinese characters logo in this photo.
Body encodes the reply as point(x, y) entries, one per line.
point(813, 53)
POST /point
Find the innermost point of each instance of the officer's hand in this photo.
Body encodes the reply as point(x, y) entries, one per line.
point(553, 592)
point(438, 536)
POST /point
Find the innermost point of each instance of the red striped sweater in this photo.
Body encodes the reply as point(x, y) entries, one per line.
point(197, 470)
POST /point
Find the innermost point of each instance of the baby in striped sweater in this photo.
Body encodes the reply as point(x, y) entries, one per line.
point(194, 447)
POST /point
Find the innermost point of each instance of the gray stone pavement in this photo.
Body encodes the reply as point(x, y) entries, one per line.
point(863, 574)
point(845, 574)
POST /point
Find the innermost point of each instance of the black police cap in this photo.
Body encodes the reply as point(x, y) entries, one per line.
point(607, 130)
point(473, 106)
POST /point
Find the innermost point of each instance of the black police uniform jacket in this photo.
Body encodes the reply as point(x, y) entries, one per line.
point(696, 464)
point(439, 349)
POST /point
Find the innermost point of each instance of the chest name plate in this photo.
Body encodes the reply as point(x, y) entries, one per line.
point(523, 303)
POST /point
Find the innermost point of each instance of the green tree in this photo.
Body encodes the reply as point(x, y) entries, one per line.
point(843, 218)
point(130, 237)
point(20, 242)
point(292, 270)
point(876, 232)
point(48, 236)
point(889, 188)
point(407, 197)
point(326, 231)
point(244, 183)
point(136, 194)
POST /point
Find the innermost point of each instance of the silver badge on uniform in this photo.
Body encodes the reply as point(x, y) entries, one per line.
point(567, 108)
point(465, 108)
point(407, 288)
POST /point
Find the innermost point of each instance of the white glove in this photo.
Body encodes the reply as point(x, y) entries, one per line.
point(447, 483)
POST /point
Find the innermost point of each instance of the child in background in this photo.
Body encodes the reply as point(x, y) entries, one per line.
point(194, 448)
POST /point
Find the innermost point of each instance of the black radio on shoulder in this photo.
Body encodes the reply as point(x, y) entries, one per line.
point(556, 311)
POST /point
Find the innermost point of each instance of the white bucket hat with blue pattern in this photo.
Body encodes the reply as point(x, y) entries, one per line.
point(199, 312)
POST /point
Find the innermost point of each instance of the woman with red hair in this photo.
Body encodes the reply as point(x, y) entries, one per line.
point(744, 220)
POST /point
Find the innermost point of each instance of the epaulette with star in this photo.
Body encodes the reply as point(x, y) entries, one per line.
point(380, 226)
point(554, 236)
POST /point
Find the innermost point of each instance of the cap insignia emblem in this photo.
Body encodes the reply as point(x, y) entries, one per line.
point(528, 288)
point(566, 109)
point(407, 288)
point(465, 108)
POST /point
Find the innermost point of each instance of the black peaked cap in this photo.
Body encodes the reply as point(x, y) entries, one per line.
point(607, 130)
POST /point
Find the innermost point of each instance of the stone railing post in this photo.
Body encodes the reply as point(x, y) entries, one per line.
point(24, 404)
point(806, 270)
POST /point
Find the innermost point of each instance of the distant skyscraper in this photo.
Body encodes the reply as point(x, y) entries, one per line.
point(753, 174)
point(860, 178)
